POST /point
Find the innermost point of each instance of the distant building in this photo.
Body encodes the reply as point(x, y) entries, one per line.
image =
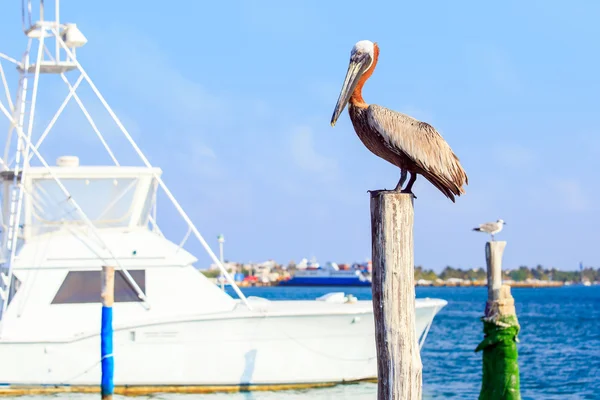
point(229, 266)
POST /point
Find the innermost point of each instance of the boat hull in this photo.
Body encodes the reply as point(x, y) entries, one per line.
point(225, 351)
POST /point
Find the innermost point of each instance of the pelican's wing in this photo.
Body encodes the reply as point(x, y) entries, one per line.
point(422, 144)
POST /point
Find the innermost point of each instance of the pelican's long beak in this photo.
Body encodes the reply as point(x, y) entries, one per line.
point(356, 69)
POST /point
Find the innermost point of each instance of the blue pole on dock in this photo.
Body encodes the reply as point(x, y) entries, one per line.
point(106, 333)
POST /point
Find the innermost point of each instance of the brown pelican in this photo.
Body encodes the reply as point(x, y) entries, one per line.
point(411, 145)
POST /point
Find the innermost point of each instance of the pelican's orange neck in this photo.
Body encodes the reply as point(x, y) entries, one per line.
point(356, 99)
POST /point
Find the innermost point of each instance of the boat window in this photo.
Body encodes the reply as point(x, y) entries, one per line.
point(86, 287)
point(14, 287)
point(107, 202)
point(148, 203)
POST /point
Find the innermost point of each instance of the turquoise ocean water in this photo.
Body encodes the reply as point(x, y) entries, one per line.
point(559, 349)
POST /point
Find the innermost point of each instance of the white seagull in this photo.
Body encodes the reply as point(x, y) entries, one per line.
point(491, 227)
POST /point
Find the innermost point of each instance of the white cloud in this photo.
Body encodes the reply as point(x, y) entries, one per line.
point(587, 140)
point(501, 69)
point(290, 20)
point(261, 109)
point(148, 73)
point(325, 92)
point(169, 105)
point(571, 195)
point(201, 150)
point(306, 156)
point(514, 155)
point(497, 65)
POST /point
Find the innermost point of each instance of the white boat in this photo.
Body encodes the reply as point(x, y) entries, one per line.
point(172, 326)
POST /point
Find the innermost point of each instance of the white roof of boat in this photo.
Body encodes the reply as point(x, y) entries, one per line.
point(63, 249)
point(83, 171)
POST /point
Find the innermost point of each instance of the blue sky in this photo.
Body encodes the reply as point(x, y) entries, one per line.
point(233, 100)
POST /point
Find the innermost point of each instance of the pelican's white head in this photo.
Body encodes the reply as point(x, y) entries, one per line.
point(363, 55)
point(501, 222)
point(363, 47)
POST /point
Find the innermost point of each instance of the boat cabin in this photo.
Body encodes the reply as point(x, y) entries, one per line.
point(57, 268)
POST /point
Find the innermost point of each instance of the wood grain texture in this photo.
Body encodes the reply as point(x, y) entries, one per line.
point(493, 260)
point(500, 301)
point(108, 286)
point(398, 357)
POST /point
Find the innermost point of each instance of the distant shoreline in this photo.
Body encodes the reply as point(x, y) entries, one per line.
point(466, 284)
point(537, 284)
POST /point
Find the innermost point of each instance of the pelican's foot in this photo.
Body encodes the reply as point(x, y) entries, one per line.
point(409, 192)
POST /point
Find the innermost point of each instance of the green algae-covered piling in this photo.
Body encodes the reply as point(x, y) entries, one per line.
point(500, 380)
point(399, 365)
point(106, 333)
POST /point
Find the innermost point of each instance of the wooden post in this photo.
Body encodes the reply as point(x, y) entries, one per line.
point(399, 365)
point(500, 301)
point(106, 333)
point(493, 260)
point(500, 378)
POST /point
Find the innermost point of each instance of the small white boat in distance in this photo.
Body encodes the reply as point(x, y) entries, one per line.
point(172, 326)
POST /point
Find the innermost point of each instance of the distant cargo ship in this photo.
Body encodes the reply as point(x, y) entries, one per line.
point(330, 275)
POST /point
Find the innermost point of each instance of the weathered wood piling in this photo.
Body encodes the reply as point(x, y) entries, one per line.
point(500, 379)
point(399, 367)
point(106, 333)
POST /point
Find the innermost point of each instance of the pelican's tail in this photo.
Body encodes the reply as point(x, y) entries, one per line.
point(451, 186)
point(449, 189)
point(477, 229)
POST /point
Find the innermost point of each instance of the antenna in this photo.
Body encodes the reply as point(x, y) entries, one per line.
point(52, 49)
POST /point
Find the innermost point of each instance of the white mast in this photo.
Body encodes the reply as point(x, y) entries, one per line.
point(42, 58)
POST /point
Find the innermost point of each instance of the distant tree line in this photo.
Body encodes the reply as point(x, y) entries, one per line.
point(475, 274)
point(520, 274)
